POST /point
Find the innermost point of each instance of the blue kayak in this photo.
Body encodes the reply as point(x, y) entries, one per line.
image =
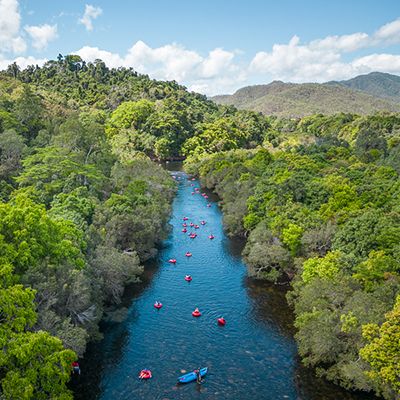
point(191, 376)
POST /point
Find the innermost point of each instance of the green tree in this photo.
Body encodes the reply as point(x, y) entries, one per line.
point(34, 365)
point(129, 115)
point(382, 351)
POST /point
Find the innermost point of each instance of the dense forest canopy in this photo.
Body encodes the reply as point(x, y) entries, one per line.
point(84, 205)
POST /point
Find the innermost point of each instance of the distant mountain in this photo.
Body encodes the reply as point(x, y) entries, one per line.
point(297, 100)
point(376, 84)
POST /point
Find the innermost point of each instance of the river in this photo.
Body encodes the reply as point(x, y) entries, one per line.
point(252, 357)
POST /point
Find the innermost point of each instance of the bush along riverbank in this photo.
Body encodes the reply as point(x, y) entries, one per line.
point(324, 216)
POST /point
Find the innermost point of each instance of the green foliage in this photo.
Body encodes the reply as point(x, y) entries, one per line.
point(38, 367)
point(291, 236)
point(28, 236)
point(52, 170)
point(34, 365)
point(382, 351)
point(376, 268)
point(129, 115)
point(327, 267)
point(12, 149)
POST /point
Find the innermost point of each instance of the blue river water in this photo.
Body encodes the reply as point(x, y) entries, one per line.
point(253, 357)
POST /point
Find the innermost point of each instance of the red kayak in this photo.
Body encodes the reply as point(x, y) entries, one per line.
point(196, 313)
point(185, 218)
point(172, 261)
point(157, 305)
point(188, 254)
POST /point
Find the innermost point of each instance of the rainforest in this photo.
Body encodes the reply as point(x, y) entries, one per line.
point(87, 206)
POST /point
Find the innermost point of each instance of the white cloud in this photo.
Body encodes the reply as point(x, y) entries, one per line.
point(91, 13)
point(23, 62)
point(389, 32)
point(346, 43)
point(212, 74)
point(10, 18)
point(377, 62)
point(216, 63)
point(42, 35)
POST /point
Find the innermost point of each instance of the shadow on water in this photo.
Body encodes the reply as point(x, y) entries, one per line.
point(253, 357)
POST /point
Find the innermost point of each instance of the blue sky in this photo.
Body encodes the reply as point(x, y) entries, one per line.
point(210, 46)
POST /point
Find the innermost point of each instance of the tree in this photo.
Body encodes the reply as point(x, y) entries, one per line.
point(382, 351)
point(12, 149)
point(38, 367)
point(370, 145)
point(52, 170)
point(28, 110)
point(29, 237)
point(114, 269)
point(162, 148)
point(34, 365)
point(131, 114)
point(327, 267)
point(291, 236)
point(376, 268)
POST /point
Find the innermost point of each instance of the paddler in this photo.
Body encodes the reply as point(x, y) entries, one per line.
point(198, 375)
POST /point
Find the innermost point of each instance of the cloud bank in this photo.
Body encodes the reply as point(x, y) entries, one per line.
point(220, 71)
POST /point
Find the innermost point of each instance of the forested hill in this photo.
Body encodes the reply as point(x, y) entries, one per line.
point(376, 84)
point(298, 100)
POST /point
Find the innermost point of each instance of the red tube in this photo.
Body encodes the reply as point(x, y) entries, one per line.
point(221, 321)
point(196, 313)
point(145, 374)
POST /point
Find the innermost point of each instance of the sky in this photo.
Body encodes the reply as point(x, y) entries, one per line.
point(212, 47)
